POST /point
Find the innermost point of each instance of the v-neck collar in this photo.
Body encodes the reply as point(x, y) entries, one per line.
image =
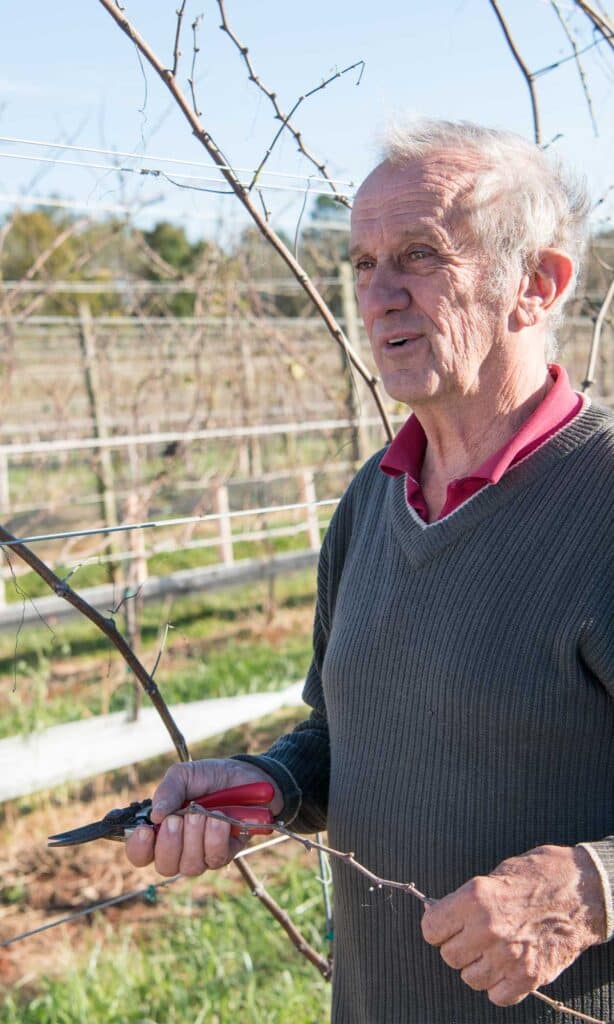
point(423, 541)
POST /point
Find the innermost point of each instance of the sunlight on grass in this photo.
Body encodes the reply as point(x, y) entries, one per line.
point(217, 648)
point(217, 958)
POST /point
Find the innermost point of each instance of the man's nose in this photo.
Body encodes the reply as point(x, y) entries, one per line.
point(386, 292)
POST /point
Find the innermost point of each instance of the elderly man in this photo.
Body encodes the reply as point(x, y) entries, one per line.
point(462, 683)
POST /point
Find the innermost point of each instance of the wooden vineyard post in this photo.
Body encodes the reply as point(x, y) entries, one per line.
point(249, 389)
point(222, 507)
point(357, 400)
point(308, 496)
point(5, 493)
point(105, 476)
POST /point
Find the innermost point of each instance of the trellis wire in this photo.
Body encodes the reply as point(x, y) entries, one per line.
point(157, 172)
point(168, 160)
point(103, 287)
point(164, 437)
point(193, 545)
point(276, 476)
point(154, 524)
point(146, 891)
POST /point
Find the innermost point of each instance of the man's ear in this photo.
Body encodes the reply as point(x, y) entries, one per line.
point(539, 290)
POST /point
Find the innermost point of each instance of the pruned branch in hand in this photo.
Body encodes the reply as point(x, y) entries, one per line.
point(376, 882)
point(313, 844)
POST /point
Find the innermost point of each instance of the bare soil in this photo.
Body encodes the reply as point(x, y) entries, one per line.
point(39, 885)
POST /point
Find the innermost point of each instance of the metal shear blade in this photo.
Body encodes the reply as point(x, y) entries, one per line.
point(114, 826)
point(76, 836)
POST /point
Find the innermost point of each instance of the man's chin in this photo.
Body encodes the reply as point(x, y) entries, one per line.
point(409, 390)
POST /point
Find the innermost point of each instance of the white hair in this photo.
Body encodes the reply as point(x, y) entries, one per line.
point(522, 200)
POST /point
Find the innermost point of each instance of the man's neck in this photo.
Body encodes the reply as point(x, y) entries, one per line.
point(461, 435)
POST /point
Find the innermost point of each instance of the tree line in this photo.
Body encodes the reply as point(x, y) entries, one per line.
point(46, 245)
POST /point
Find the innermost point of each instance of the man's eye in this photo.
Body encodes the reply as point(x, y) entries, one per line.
point(363, 264)
point(418, 254)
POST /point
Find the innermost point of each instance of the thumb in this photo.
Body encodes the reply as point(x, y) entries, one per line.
point(176, 787)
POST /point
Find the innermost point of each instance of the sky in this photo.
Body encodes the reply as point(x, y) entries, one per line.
point(69, 75)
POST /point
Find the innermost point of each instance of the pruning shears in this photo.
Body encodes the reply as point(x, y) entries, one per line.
point(244, 803)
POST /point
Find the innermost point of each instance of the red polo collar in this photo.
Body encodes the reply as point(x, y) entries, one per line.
point(406, 452)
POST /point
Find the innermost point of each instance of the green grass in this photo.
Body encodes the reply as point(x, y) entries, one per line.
point(198, 614)
point(210, 960)
point(246, 668)
point(206, 952)
point(216, 648)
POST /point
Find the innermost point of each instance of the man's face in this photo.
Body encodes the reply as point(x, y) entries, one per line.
point(420, 279)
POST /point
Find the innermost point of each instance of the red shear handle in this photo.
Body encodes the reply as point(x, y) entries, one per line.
point(254, 794)
point(242, 802)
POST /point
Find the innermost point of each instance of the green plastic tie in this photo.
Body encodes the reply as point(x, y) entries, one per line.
point(151, 895)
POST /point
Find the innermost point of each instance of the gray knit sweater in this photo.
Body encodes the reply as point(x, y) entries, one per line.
point(462, 689)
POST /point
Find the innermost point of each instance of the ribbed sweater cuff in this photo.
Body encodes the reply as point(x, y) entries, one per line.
point(602, 856)
point(290, 791)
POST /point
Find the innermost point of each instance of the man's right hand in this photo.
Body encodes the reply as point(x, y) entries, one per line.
point(191, 843)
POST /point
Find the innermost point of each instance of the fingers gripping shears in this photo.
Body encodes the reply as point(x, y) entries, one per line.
point(244, 803)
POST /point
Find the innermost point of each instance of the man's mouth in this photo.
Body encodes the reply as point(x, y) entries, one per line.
point(401, 340)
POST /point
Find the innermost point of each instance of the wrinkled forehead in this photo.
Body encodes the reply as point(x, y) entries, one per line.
point(427, 188)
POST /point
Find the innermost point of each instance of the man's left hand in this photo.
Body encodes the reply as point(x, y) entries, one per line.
point(520, 926)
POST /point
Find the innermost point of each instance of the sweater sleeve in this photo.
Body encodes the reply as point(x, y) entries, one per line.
point(597, 650)
point(299, 762)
